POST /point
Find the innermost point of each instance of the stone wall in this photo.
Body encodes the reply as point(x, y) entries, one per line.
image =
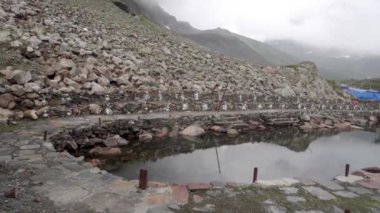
point(138, 102)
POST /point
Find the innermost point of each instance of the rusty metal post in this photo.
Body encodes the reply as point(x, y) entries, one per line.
point(100, 121)
point(45, 135)
point(143, 179)
point(255, 173)
point(347, 172)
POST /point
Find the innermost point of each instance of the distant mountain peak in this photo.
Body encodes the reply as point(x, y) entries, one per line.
point(219, 39)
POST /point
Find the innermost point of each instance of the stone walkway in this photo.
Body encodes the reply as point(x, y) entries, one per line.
point(75, 186)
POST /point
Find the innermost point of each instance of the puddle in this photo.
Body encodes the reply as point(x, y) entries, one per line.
point(307, 156)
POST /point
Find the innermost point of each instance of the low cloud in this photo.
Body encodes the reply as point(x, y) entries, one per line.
point(347, 25)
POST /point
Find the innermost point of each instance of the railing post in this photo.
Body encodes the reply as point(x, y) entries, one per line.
point(347, 172)
point(143, 179)
point(255, 173)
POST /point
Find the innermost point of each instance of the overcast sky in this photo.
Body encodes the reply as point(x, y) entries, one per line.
point(353, 25)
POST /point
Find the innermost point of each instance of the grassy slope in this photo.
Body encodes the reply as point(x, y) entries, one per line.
point(372, 84)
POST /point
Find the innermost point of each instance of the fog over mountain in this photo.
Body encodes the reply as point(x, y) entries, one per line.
point(341, 37)
point(348, 25)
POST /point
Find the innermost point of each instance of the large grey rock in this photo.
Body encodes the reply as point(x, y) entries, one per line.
point(145, 136)
point(103, 81)
point(193, 131)
point(21, 77)
point(34, 42)
point(95, 109)
point(3, 14)
point(5, 114)
point(320, 193)
point(6, 100)
point(305, 117)
point(65, 64)
point(373, 118)
point(115, 141)
point(17, 90)
point(97, 89)
point(31, 114)
point(32, 87)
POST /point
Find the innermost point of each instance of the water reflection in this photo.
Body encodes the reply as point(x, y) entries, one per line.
point(320, 158)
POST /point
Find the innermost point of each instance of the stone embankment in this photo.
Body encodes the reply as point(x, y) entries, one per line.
point(127, 137)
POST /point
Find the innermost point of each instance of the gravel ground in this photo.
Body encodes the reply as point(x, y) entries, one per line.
point(26, 201)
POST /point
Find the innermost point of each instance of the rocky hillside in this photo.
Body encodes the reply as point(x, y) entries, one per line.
point(58, 57)
point(220, 40)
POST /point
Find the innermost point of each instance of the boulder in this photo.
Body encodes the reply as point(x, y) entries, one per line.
point(5, 114)
point(17, 90)
point(3, 14)
point(217, 129)
point(329, 122)
point(343, 126)
point(193, 131)
point(19, 115)
point(12, 193)
point(108, 111)
point(21, 77)
point(162, 132)
point(145, 137)
point(360, 121)
point(95, 109)
point(105, 152)
point(372, 118)
point(65, 64)
point(96, 163)
point(31, 114)
point(232, 132)
point(307, 127)
point(103, 81)
point(97, 89)
point(305, 117)
point(32, 87)
point(174, 132)
point(72, 83)
point(115, 141)
point(6, 100)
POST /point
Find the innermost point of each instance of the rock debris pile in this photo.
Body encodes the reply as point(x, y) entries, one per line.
point(58, 57)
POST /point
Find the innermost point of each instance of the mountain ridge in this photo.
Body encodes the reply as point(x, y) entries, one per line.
point(220, 40)
point(333, 64)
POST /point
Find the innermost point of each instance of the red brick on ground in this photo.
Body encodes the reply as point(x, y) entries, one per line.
point(180, 194)
point(198, 186)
